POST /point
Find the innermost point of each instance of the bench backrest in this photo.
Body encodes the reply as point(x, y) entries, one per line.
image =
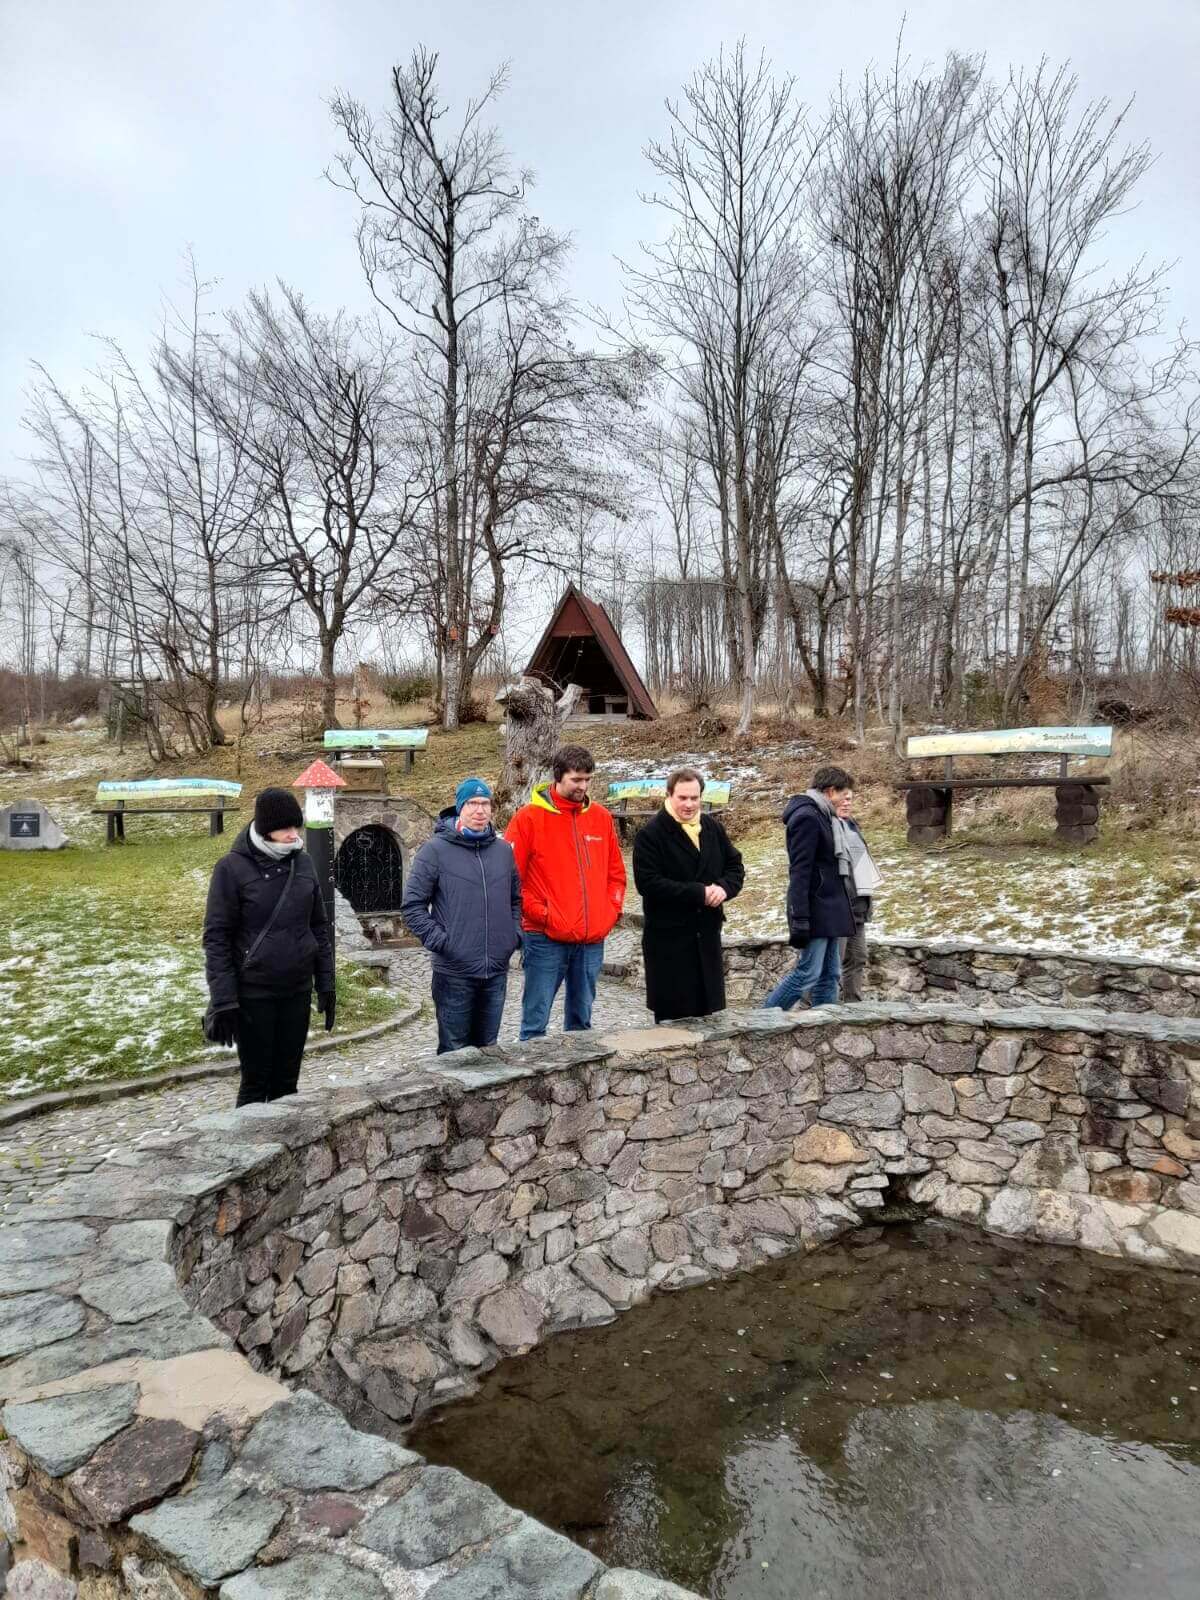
point(655, 789)
point(1014, 741)
point(376, 738)
point(126, 789)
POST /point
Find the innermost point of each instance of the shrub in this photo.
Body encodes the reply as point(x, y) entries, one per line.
point(409, 684)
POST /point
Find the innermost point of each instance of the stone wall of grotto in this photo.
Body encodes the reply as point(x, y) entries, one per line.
point(973, 974)
point(209, 1347)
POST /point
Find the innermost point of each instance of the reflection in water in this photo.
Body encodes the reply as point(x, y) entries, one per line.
point(932, 1414)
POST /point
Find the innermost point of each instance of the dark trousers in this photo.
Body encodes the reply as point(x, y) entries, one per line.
point(468, 1009)
point(271, 1033)
point(854, 964)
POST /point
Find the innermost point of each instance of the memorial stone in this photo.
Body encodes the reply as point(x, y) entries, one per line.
point(27, 825)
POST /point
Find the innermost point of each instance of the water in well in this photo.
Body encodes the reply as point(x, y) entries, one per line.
point(926, 1412)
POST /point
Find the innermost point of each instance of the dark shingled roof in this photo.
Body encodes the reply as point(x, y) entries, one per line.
point(599, 624)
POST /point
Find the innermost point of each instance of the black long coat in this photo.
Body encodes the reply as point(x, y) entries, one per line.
point(681, 940)
point(241, 897)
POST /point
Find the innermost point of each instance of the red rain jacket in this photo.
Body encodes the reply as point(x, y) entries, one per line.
point(572, 874)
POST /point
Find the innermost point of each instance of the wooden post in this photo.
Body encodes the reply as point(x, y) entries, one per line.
point(320, 785)
point(1076, 812)
point(928, 808)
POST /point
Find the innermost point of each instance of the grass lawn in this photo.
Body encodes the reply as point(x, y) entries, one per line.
point(101, 969)
point(1127, 894)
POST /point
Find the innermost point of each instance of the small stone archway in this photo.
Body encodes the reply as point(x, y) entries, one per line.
point(375, 838)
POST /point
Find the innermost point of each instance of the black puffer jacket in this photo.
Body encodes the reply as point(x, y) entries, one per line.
point(462, 899)
point(245, 887)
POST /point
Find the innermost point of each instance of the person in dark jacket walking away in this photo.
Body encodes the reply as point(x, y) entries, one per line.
point(867, 878)
point(572, 891)
point(463, 901)
point(266, 942)
point(685, 868)
point(820, 884)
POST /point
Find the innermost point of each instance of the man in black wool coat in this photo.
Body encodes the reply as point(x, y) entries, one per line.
point(685, 868)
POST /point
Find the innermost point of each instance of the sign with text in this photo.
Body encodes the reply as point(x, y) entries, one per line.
point(25, 825)
point(1015, 741)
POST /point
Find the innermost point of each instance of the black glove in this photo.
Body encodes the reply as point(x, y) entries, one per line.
point(798, 938)
point(225, 1025)
point(327, 1002)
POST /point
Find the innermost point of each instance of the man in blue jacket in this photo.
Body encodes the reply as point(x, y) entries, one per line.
point(463, 901)
point(820, 909)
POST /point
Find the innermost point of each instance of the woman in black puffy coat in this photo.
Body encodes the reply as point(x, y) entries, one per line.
point(261, 972)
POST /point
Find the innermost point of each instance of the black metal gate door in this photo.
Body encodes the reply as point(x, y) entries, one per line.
point(369, 870)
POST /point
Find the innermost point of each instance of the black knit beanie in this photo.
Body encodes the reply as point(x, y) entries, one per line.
point(275, 809)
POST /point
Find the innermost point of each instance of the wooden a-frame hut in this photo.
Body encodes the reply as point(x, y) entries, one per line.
point(580, 645)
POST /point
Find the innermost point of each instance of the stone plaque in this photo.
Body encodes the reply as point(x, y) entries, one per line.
point(27, 825)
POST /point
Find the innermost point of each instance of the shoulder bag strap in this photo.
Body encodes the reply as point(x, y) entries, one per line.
point(270, 922)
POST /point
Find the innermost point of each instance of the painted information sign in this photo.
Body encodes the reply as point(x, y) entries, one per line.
point(1015, 741)
point(376, 738)
point(715, 793)
point(166, 789)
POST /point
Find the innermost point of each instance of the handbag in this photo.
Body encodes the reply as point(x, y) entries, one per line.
point(208, 1020)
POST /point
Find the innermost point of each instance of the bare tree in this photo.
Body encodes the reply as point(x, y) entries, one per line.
point(453, 256)
point(720, 295)
point(329, 436)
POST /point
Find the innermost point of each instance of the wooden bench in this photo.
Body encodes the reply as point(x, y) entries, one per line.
point(117, 800)
point(377, 742)
point(929, 802)
point(629, 800)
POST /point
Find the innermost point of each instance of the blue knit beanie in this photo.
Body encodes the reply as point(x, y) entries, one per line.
point(470, 789)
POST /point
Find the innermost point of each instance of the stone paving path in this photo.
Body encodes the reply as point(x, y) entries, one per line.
point(36, 1155)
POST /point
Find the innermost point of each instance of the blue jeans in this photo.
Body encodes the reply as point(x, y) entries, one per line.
point(547, 963)
point(818, 967)
point(468, 1009)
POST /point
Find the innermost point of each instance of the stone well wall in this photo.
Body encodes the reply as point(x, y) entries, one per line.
point(383, 1246)
point(980, 975)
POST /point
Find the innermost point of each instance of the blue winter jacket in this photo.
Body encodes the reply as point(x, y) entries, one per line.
point(463, 901)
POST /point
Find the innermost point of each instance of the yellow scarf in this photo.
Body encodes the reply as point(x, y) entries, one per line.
point(692, 829)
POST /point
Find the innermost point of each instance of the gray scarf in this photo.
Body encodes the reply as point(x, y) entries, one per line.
point(841, 849)
point(277, 852)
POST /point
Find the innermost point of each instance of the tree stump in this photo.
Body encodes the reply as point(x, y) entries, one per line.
point(534, 722)
point(1076, 812)
point(929, 812)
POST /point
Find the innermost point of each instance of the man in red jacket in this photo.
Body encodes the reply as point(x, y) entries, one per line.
point(572, 891)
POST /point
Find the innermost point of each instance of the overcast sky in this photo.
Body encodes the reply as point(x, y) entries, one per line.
point(131, 131)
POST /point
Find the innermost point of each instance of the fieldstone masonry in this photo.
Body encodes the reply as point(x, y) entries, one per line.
point(981, 975)
point(384, 1246)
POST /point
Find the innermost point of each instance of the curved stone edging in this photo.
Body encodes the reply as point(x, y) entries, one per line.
point(970, 973)
point(199, 1068)
point(384, 1243)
